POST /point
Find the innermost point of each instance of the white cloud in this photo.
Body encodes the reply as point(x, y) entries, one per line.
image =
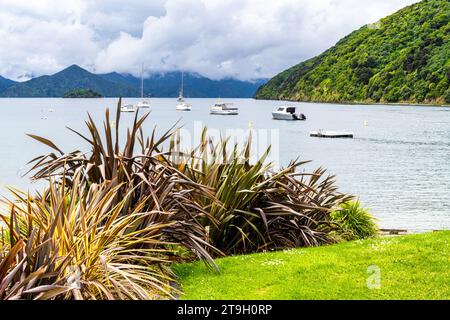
point(238, 38)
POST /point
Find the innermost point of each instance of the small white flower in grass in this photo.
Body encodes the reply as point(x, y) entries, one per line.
point(383, 244)
point(272, 263)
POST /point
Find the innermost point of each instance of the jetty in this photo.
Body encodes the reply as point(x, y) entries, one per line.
point(331, 134)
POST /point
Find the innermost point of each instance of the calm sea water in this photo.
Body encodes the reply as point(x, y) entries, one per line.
point(399, 164)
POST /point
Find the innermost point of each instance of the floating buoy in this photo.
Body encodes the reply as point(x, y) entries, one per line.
point(250, 124)
point(366, 123)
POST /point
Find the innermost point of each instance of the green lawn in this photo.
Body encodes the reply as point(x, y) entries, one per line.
point(411, 267)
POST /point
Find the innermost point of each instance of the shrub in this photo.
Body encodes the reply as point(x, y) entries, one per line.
point(259, 208)
point(70, 243)
point(356, 222)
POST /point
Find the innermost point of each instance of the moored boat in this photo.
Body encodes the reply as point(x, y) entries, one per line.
point(182, 105)
point(223, 109)
point(143, 104)
point(127, 108)
point(287, 113)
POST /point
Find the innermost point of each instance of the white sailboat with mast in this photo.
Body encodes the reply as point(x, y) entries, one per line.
point(143, 103)
point(182, 105)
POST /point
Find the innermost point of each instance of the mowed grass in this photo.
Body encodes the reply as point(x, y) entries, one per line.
point(411, 267)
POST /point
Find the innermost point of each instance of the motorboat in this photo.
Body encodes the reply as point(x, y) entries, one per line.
point(127, 108)
point(223, 109)
point(287, 113)
point(182, 105)
point(143, 104)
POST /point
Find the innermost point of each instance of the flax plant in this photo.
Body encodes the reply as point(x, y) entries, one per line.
point(71, 243)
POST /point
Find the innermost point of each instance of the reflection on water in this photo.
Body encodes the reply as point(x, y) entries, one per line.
point(398, 163)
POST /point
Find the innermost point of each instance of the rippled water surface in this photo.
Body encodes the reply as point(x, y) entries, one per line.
point(399, 164)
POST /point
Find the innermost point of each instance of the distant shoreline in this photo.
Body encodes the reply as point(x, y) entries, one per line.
point(350, 103)
point(258, 99)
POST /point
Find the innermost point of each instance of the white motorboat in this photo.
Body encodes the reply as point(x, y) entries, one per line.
point(143, 103)
point(127, 108)
point(182, 105)
point(287, 113)
point(223, 109)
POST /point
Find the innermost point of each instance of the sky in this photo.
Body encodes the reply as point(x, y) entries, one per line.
point(243, 39)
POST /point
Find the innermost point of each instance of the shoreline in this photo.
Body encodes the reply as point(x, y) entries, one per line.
point(346, 103)
point(350, 103)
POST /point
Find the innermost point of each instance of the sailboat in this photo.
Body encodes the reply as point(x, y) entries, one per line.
point(182, 105)
point(143, 103)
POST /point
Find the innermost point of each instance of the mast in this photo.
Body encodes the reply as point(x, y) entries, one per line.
point(182, 84)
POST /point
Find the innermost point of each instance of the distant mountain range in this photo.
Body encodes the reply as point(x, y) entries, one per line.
point(5, 83)
point(125, 85)
point(195, 85)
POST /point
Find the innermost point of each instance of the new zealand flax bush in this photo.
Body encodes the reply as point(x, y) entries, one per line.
point(72, 243)
point(259, 208)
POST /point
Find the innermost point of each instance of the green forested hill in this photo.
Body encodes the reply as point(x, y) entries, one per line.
point(82, 93)
point(68, 79)
point(402, 58)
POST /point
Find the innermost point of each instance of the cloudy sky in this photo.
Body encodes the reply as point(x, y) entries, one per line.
point(245, 39)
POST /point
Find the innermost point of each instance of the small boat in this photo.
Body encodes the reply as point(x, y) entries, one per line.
point(127, 108)
point(331, 134)
point(287, 113)
point(223, 109)
point(143, 103)
point(182, 105)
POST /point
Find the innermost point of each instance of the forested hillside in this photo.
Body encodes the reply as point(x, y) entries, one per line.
point(404, 58)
